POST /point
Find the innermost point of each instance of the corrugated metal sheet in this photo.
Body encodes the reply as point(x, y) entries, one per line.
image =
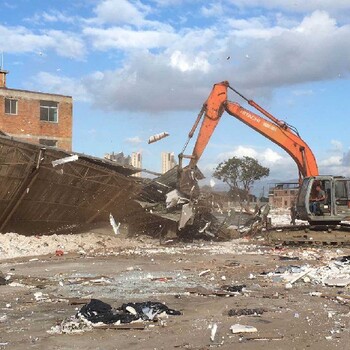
point(36, 197)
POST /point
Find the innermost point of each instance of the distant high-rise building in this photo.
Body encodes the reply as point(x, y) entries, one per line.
point(168, 161)
point(136, 161)
point(119, 158)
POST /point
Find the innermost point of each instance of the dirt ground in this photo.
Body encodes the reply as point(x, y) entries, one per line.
point(142, 270)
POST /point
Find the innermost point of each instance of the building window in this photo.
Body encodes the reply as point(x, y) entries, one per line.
point(10, 106)
point(49, 111)
point(48, 142)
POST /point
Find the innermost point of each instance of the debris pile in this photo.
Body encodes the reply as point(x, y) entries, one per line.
point(335, 273)
point(98, 313)
point(14, 245)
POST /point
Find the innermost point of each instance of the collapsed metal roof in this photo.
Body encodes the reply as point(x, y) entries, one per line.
point(37, 197)
point(46, 190)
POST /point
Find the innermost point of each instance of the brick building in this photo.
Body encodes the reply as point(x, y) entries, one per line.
point(283, 194)
point(35, 116)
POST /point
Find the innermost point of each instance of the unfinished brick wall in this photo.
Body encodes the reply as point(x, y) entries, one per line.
point(26, 124)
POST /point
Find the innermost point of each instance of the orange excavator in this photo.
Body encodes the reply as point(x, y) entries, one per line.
point(335, 207)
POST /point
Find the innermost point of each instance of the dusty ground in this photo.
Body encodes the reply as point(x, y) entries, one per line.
point(294, 319)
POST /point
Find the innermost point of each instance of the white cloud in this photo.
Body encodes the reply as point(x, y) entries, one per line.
point(121, 38)
point(337, 163)
point(315, 49)
point(239, 151)
point(271, 156)
point(317, 42)
point(61, 85)
point(346, 160)
point(20, 39)
point(121, 12)
point(149, 80)
point(331, 161)
point(300, 6)
point(51, 16)
point(67, 44)
point(281, 165)
point(266, 156)
point(171, 2)
point(186, 63)
point(214, 9)
point(336, 145)
point(133, 140)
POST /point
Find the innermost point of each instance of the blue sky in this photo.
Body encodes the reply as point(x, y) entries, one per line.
point(137, 68)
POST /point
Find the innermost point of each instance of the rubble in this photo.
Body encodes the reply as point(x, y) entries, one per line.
point(2, 279)
point(213, 329)
point(188, 275)
point(239, 328)
point(246, 312)
point(335, 273)
point(97, 314)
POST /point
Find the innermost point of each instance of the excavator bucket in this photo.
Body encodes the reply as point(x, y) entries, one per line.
point(188, 181)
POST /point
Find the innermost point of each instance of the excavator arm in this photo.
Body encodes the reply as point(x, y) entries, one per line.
point(275, 130)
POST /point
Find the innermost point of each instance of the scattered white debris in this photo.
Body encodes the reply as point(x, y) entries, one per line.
point(251, 276)
point(40, 296)
point(240, 328)
point(214, 328)
point(288, 286)
point(114, 225)
point(72, 325)
point(3, 318)
point(186, 215)
point(157, 137)
point(173, 198)
point(21, 285)
point(64, 160)
point(131, 310)
point(202, 273)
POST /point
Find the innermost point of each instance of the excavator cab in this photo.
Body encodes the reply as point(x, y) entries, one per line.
point(334, 208)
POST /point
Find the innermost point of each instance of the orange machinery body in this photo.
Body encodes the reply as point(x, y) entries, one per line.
point(275, 130)
point(336, 208)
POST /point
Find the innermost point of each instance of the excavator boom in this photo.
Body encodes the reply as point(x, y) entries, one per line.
point(335, 206)
point(275, 130)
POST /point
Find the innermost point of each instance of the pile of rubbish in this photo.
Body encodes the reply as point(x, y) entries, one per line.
point(335, 273)
point(98, 313)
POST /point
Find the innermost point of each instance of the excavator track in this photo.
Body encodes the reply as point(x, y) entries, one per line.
point(306, 235)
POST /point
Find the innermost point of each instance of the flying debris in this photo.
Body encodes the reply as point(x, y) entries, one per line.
point(157, 137)
point(64, 160)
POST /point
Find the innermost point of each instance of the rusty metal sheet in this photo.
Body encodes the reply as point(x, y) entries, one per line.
point(37, 198)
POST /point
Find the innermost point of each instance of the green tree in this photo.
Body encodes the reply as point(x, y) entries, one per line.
point(240, 173)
